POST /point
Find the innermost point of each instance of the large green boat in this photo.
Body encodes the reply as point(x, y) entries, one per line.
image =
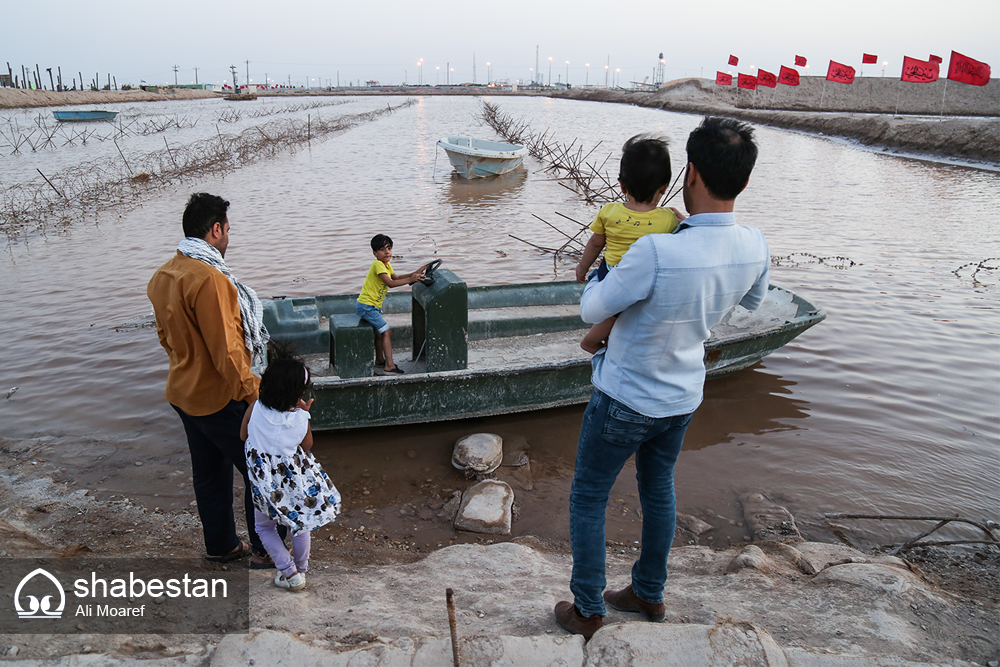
point(483, 350)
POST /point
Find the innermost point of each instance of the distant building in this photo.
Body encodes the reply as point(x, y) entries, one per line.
point(6, 81)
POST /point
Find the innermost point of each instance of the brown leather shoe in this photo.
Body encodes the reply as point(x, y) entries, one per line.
point(570, 620)
point(626, 600)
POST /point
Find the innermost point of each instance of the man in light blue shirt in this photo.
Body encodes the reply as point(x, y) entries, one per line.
point(670, 290)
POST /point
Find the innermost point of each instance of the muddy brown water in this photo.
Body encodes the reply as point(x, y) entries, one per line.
point(890, 406)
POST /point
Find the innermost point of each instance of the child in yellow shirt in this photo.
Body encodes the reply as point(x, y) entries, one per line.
point(643, 176)
point(369, 307)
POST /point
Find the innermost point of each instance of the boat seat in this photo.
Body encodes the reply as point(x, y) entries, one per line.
point(351, 347)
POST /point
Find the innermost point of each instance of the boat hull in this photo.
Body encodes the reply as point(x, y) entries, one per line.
point(83, 116)
point(506, 387)
point(477, 158)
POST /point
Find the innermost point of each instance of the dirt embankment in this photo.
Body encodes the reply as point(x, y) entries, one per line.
point(966, 125)
point(15, 98)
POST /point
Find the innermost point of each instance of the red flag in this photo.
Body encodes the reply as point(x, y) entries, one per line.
point(935, 59)
point(840, 73)
point(919, 71)
point(723, 79)
point(800, 61)
point(733, 60)
point(748, 81)
point(788, 76)
point(966, 70)
point(868, 59)
point(765, 78)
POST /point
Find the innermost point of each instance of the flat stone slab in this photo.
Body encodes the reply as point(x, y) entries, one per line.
point(486, 508)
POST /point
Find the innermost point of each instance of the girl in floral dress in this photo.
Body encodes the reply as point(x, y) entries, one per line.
point(289, 486)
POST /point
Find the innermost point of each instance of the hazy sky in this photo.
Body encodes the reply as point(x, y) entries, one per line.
point(384, 40)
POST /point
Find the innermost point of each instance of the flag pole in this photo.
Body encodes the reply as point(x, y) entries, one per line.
point(942, 98)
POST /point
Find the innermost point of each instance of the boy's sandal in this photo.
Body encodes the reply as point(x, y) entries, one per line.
point(239, 552)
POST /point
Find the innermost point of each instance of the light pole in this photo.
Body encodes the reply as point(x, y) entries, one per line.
point(489, 73)
point(606, 69)
point(437, 74)
point(567, 74)
point(550, 71)
point(450, 70)
point(586, 78)
point(420, 71)
point(618, 73)
point(884, 63)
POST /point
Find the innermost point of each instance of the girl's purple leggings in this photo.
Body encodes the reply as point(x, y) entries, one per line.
point(267, 529)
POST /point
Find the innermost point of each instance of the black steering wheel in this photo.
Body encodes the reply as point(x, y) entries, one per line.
point(428, 279)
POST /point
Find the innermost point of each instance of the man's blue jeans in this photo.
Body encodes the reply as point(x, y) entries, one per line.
point(610, 434)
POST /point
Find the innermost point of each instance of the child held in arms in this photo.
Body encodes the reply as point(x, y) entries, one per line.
point(643, 176)
point(369, 307)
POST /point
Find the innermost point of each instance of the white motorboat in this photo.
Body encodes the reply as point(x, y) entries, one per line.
point(478, 158)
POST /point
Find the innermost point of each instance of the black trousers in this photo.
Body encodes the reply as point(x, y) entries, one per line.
point(215, 445)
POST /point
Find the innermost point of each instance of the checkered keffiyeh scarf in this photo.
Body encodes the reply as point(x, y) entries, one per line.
point(255, 334)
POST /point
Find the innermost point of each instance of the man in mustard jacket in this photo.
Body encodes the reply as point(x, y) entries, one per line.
point(211, 326)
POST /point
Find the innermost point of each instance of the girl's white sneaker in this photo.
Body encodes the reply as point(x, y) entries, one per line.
point(296, 582)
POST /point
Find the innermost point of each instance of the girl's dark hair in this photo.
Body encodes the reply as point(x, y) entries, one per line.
point(645, 167)
point(285, 380)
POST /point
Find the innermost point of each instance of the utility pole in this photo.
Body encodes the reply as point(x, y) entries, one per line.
point(248, 72)
point(536, 64)
point(196, 76)
point(473, 67)
point(175, 74)
point(447, 74)
point(236, 88)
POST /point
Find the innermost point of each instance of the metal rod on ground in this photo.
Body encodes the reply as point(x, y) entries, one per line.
point(50, 184)
point(453, 627)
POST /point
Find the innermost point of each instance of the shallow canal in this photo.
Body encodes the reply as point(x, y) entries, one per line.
point(892, 405)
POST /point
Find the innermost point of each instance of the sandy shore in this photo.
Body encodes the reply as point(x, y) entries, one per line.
point(11, 98)
point(968, 128)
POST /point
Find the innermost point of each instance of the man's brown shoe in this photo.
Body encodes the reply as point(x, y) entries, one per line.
point(626, 600)
point(570, 620)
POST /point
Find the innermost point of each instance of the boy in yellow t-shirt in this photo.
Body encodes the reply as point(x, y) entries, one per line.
point(369, 307)
point(643, 176)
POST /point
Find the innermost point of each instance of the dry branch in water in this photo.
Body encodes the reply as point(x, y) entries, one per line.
point(91, 188)
point(988, 527)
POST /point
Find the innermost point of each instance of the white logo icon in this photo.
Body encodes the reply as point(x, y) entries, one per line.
point(39, 608)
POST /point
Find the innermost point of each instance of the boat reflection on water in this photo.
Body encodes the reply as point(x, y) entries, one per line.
point(465, 194)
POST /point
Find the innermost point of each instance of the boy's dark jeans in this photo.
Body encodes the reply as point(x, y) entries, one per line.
point(215, 445)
